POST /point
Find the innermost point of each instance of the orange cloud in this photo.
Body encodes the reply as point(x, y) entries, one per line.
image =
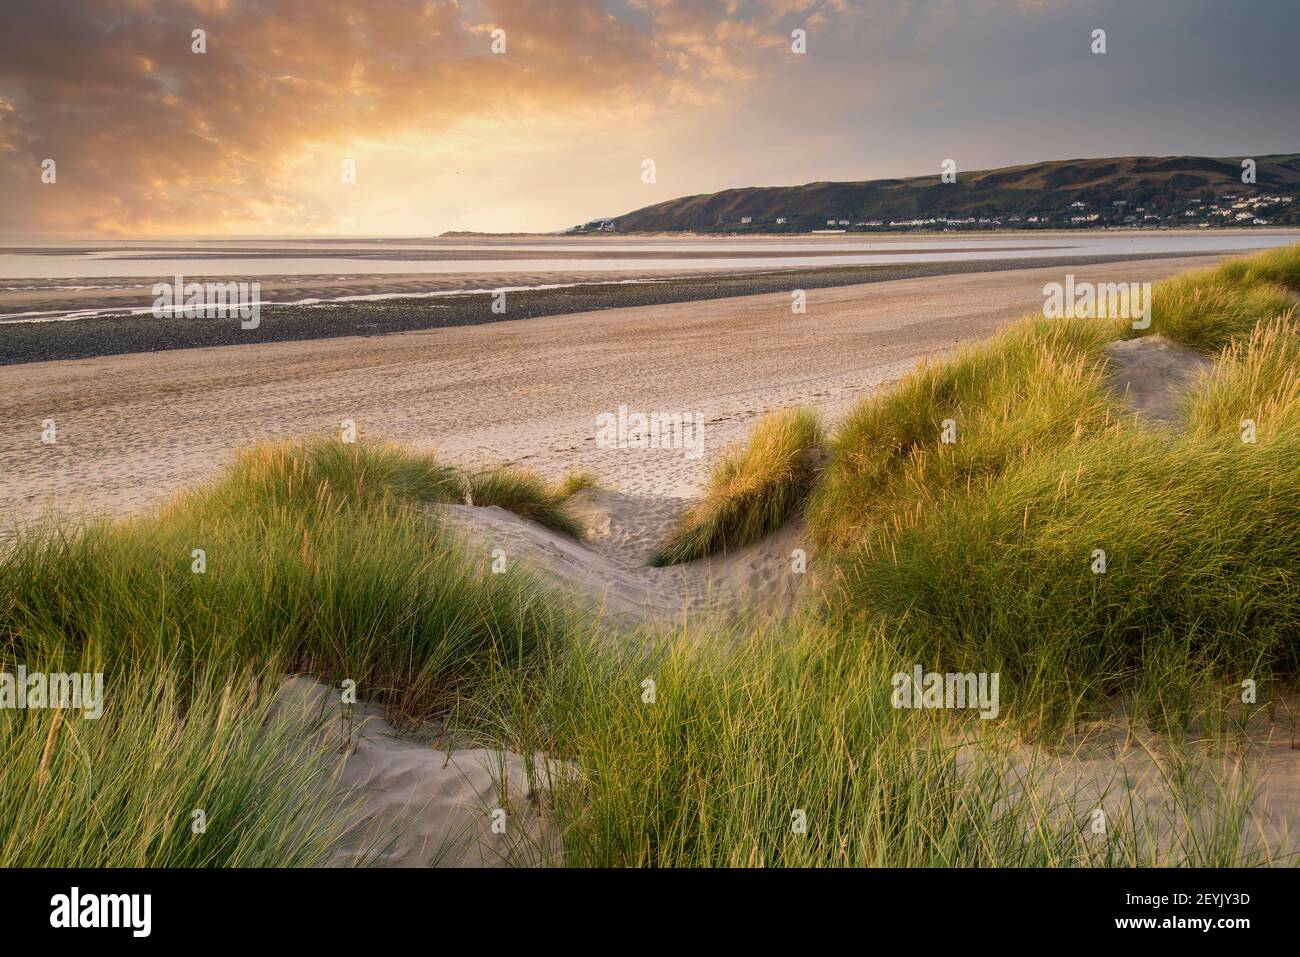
point(150, 137)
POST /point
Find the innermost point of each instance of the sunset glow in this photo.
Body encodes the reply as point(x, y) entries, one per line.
point(249, 137)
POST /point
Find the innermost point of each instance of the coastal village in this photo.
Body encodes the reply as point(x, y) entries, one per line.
point(1228, 210)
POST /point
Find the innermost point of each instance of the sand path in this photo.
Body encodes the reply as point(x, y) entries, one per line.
point(131, 429)
point(606, 571)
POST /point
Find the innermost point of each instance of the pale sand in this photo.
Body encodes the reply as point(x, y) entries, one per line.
point(410, 805)
point(1152, 375)
point(133, 428)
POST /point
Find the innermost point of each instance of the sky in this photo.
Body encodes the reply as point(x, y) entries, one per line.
point(254, 136)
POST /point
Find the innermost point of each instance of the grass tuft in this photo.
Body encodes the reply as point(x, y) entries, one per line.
point(122, 790)
point(1007, 580)
point(1033, 388)
point(530, 496)
point(1256, 380)
point(306, 567)
point(1207, 311)
point(753, 489)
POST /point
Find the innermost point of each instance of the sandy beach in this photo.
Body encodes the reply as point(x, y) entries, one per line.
point(132, 429)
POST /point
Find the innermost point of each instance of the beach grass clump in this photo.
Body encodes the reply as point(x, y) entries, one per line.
point(286, 563)
point(529, 496)
point(1254, 386)
point(323, 473)
point(782, 748)
point(753, 488)
point(1207, 310)
point(1093, 558)
point(1210, 309)
point(1280, 267)
point(1072, 574)
point(179, 769)
point(299, 558)
point(578, 480)
point(953, 426)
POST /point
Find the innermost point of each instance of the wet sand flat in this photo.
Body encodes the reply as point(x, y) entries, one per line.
point(323, 307)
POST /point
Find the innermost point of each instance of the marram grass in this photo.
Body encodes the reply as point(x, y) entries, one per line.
point(301, 557)
point(753, 489)
point(951, 427)
point(311, 560)
point(523, 492)
point(782, 749)
point(1256, 381)
point(1070, 573)
point(180, 770)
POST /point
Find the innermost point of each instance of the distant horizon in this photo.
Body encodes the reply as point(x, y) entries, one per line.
point(7, 237)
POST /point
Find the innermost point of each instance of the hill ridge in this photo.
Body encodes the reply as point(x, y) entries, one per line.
point(1131, 191)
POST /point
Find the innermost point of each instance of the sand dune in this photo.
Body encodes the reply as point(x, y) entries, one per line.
point(411, 805)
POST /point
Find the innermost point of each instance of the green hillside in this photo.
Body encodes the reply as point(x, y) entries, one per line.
point(1122, 191)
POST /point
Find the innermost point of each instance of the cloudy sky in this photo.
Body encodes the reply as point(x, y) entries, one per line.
point(150, 138)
